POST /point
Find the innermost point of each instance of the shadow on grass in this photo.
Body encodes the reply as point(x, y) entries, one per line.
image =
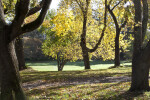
point(110, 95)
point(125, 96)
point(74, 76)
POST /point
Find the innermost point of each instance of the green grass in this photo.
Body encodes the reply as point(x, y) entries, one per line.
point(50, 85)
point(79, 65)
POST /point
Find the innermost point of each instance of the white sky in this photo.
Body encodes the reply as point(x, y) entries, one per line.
point(54, 4)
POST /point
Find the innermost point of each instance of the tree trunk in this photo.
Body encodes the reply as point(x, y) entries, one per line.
point(60, 62)
point(141, 56)
point(60, 67)
point(86, 58)
point(10, 83)
point(117, 50)
point(11, 88)
point(83, 44)
point(140, 74)
point(20, 53)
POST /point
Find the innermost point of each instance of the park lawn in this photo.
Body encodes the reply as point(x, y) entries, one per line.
point(72, 66)
point(80, 85)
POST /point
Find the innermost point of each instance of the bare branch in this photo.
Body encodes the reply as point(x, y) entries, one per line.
point(116, 5)
point(113, 16)
point(81, 7)
point(35, 9)
point(103, 31)
point(35, 24)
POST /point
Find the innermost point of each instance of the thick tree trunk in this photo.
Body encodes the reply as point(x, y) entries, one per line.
point(117, 50)
point(140, 73)
point(9, 74)
point(141, 56)
point(20, 53)
point(10, 83)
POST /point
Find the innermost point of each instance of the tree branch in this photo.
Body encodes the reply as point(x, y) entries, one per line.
point(35, 9)
point(81, 7)
point(103, 31)
point(113, 16)
point(21, 9)
point(35, 24)
point(116, 5)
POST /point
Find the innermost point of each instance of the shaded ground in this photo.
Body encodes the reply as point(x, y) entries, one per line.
point(104, 84)
point(44, 84)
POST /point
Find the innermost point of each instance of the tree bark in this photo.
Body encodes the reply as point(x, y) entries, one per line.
point(11, 88)
point(20, 53)
point(10, 82)
point(117, 49)
point(83, 43)
point(86, 58)
point(140, 74)
point(118, 30)
point(141, 56)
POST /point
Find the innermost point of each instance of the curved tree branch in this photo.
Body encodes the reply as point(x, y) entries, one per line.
point(103, 31)
point(116, 5)
point(35, 24)
point(113, 16)
point(21, 10)
point(35, 9)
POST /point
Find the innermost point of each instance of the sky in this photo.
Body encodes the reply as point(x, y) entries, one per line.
point(54, 4)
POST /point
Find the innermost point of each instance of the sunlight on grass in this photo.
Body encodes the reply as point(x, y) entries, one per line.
point(74, 66)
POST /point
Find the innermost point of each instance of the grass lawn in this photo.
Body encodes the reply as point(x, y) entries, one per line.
point(100, 84)
point(79, 65)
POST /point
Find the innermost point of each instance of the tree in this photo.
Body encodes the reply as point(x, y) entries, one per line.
point(84, 6)
point(141, 54)
point(118, 28)
point(9, 11)
point(62, 39)
point(11, 88)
